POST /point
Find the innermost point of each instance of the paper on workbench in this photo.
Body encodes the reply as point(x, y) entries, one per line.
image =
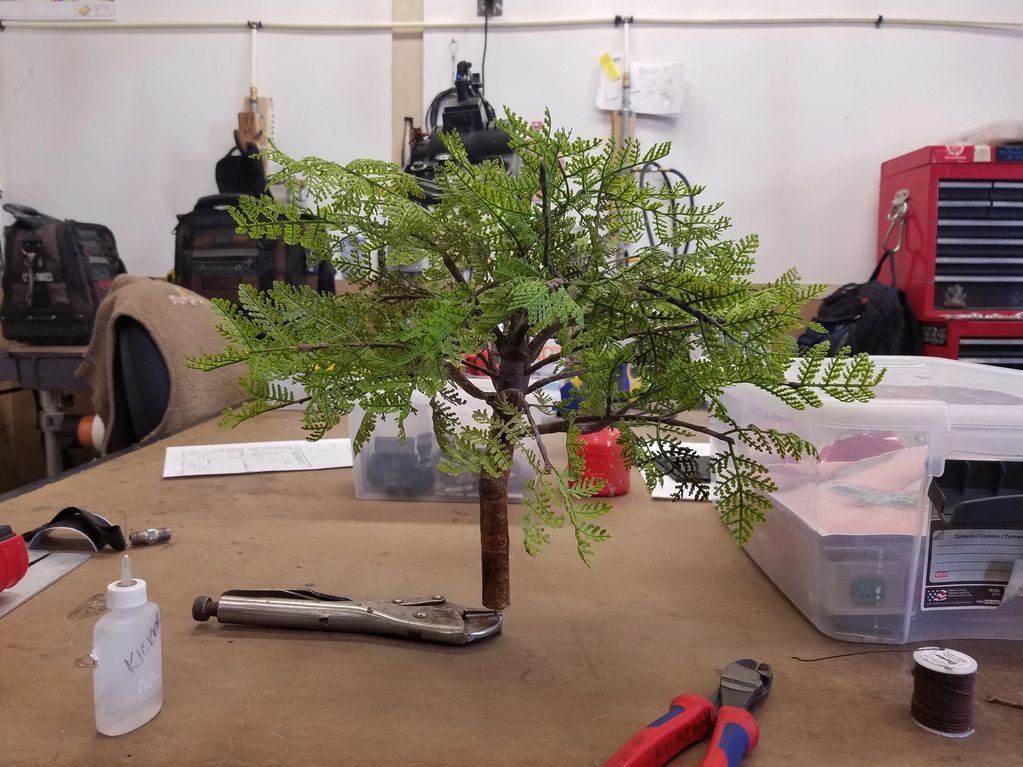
point(665, 490)
point(253, 457)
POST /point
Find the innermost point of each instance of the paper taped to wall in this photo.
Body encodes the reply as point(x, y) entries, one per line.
point(656, 89)
point(254, 457)
point(64, 10)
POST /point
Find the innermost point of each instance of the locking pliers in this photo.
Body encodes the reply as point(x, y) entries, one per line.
point(426, 619)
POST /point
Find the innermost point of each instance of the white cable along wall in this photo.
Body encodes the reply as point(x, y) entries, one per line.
point(875, 21)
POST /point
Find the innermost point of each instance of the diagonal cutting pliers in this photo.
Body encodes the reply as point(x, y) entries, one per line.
point(688, 720)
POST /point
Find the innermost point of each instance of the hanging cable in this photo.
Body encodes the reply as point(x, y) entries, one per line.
point(253, 55)
point(483, 64)
point(655, 167)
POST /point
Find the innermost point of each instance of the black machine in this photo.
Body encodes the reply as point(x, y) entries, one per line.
point(467, 112)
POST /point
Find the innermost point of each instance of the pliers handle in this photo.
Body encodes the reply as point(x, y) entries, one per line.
point(688, 721)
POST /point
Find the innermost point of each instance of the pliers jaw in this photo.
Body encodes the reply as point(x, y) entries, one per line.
point(744, 683)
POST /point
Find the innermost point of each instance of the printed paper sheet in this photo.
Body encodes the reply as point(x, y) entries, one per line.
point(254, 457)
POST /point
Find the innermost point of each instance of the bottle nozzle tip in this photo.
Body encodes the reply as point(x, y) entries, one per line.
point(126, 579)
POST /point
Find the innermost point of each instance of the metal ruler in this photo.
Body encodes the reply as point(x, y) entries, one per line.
point(45, 568)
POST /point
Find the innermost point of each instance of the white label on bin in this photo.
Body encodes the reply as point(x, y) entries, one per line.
point(968, 567)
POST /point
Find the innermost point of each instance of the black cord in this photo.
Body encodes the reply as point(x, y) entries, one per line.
point(665, 172)
point(483, 65)
point(434, 109)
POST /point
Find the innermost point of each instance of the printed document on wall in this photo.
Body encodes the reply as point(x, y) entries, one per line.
point(58, 10)
point(657, 89)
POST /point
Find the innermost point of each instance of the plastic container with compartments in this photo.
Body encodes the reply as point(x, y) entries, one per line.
point(388, 469)
point(909, 526)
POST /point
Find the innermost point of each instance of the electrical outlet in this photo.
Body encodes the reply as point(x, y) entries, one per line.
point(489, 7)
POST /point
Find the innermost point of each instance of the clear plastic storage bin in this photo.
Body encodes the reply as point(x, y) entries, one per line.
point(387, 469)
point(909, 526)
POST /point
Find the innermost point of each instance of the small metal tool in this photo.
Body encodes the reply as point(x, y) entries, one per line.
point(149, 536)
point(425, 619)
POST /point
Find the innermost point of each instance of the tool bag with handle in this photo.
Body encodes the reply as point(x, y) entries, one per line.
point(240, 171)
point(212, 259)
point(55, 276)
point(869, 317)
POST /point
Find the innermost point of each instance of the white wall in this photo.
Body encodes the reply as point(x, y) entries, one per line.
point(124, 128)
point(788, 126)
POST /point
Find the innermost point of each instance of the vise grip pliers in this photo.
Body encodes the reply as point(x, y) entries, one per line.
point(426, 619)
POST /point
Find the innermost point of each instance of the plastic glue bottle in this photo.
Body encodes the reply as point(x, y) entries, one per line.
point(128, 664)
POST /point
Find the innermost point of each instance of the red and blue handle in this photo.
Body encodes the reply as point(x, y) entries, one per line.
point(687, 721)
point(735, 735)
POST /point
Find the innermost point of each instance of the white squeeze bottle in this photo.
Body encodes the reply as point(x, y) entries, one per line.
point(128, 674)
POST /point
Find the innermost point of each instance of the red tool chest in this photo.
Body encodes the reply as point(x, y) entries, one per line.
point(961, 261)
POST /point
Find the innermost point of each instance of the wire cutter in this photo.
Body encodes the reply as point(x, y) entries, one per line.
point(744, 683)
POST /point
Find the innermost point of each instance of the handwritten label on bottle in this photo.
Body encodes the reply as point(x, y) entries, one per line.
point(138, 655)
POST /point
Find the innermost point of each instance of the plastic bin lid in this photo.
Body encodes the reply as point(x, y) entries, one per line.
point(918, 394)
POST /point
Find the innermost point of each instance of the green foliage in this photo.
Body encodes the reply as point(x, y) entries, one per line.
point(512, 261)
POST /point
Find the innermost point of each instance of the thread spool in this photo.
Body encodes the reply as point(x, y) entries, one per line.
point(943, 691)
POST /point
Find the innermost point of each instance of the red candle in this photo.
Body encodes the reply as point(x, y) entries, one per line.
point(602, 459)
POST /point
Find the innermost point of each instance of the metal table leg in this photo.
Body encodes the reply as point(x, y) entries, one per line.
point(51, 417)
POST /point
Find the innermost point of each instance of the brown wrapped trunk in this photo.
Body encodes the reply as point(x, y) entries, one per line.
point(513, 357)
point(494, 540)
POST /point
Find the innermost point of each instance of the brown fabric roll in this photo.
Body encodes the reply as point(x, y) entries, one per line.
point(182, 324)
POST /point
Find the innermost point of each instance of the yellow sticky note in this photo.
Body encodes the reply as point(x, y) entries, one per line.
point(610, 69)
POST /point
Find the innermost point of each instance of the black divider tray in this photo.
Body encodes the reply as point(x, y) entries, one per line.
point(985, 494)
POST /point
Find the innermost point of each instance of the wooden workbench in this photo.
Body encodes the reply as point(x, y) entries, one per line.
point(586, 657)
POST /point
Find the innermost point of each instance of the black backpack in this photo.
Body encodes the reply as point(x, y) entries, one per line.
point(240, 172)
point(55, 276)
point(212, 259)
point(869, 317)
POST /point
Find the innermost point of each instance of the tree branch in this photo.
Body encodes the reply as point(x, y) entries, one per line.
point(545, 201)
point(517, 329)
point(539, 384)
point(555, 427)
point(487, 371)
point(702, 316)
point(401, 296)
point(330, 345)
point(550, 359)
point(541, 338)
point(460, 378)
point(453, 268)
point(547, 465)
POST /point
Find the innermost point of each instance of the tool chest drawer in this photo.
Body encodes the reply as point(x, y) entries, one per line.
point(909, 525)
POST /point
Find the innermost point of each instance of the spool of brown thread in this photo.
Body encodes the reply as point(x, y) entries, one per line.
point(943, 691)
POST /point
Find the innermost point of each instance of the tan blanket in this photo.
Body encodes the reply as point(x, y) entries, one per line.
point(183, 324)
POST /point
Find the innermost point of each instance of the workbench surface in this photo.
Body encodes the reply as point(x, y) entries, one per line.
point(586, 658)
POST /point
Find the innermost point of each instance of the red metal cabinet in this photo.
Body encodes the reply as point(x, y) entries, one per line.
point(961, 262)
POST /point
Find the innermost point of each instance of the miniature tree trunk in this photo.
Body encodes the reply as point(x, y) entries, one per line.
point(494, 540)
point(510, 384)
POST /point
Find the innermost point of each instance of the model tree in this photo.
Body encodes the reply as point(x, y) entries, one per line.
point(508, 263)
